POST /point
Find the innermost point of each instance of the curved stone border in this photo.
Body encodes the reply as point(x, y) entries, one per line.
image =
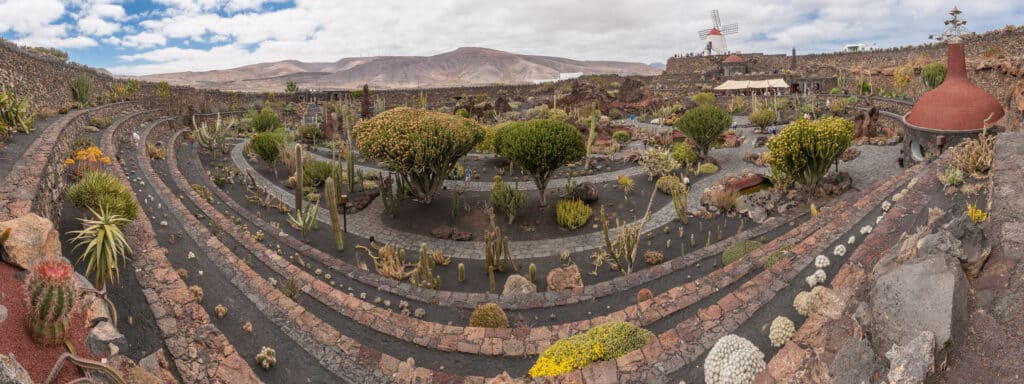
point(675, 348)
point(851, 279)
point(518, 302)
point(474, 340)
point(36, 181)
point(367, 223)
point(342, 355)
point(199, 350)
point(485, 186)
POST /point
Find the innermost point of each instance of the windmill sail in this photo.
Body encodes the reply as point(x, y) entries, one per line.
point(715, 20)
point(730, 29)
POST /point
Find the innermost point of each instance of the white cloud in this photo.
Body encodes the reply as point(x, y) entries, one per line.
point(144, 40)
point(100, 17)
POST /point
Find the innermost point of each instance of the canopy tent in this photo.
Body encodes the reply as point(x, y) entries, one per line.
point(736, 85)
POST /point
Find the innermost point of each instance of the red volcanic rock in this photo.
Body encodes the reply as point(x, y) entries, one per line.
point(740, 183)
point(957, 104)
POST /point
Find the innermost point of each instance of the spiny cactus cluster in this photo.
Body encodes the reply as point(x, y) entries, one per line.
point(733, 360)
point(51, 298)
point(267, 357)
point(818, 277)
point(821, 262)
point(488, 315)
point(781, 331)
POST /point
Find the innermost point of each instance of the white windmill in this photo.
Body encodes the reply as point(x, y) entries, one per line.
point(716, 35)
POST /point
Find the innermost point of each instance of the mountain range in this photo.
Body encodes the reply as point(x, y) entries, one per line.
point(461, 67)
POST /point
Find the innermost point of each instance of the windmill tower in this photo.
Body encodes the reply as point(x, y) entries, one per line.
point(716, 35)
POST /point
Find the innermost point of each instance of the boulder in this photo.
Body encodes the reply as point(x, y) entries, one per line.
point(913, 362)
point(855, 363)
point(567, 277)
point(929, 293)
point(156, 364)
point(517, 284)
point(103, 336)
point(940, 244)
point(976, 247)
point(32, 238)
point(585, 191)
point(449, 233)
point(11, 372)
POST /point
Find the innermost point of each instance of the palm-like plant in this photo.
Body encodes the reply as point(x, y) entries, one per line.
point(106, 249)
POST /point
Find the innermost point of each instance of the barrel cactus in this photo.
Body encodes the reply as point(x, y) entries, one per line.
point(781, 331)
point(51, 298)
point(733, 360)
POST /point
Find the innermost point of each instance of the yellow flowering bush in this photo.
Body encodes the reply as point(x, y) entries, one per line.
point(604, 342)
point(421, 146)
point(86, 160)
point(805, 149)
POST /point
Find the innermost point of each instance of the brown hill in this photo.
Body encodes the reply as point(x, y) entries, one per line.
point(461, 67)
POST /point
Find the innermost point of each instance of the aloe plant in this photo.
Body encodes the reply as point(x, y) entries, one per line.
point(14, 113)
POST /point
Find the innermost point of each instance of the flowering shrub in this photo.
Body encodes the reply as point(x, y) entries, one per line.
point(805, 149)
point(421, 146)
point(604, 342)
point(86, 160)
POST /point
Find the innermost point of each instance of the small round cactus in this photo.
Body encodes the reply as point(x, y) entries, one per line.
point(821, 261)
point(644, 295)
point(267, 357)
point(51, 300)
point(488, 315)
point(197, 292)
point(653, 257)
point(781, 331)
point(839, 251)
point(733, 359)
point(247, 327)
point(182, 273)
point(220, 310)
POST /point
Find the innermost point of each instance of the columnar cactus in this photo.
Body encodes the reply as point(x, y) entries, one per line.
point(299, 178)
point(51, 297)
point(733, 360)
point(462, 272)
point(533, 273)
point(497, 257)
point(332, 205)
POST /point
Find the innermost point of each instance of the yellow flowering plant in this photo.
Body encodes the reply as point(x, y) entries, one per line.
point(604, 342)
point(86, 160)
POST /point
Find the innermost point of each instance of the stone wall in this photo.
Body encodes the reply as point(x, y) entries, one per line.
point(45, 79)
point(36, 182)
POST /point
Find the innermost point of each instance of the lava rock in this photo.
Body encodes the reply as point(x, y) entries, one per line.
point(11, 372)
point(913, 362)
point(102, 336)
point(585, 191)
point(567, 277)
point(445, 232)
point(976, 246)
point(855, 363)
point(517, 284)
point(940, 244)
point(930, 293)
point(3, 313)
point(32, 238)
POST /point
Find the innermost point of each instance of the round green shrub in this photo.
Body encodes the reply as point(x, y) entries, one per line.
point(266, 145)
point(738, 250)
point(604, 342)
point(266, 120)
point(101, 189)
point(462, 112)
point(707, 168)
point(540, 147)
point(421, 146)
point(488, 315)
point(683, 154)
point(704, 98)
point(805, 149)
point(622, 137)
point(704, 125)
point(763, 117)
point(490, 134)
point(315, 172)
point(666, 183)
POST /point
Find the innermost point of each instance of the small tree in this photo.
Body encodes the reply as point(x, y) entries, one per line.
point(805, 149)
point(540, 147)
point(704, 125)
point(266, 146)
point(291, 87)
point(901, 77)
point(422, 147)
point(704, 98)
point(763, 117)
point(932, 75)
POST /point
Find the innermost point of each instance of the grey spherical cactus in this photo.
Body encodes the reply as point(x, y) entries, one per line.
point(781, 331)
point(821, 262)
point(733, 360)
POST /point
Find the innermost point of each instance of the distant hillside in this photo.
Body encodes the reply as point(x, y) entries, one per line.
point(461, 67)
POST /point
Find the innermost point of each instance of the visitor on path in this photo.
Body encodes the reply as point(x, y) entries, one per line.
point(135, 138)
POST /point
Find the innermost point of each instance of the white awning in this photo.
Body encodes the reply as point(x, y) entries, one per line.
point(734, 85)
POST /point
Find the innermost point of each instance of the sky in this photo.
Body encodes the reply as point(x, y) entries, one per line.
point(137, 37)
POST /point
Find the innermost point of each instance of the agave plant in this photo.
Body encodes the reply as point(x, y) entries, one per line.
point(14, 113)
point(106, 249)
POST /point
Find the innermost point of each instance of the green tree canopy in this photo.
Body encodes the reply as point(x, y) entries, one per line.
point(540, 147)
point(704, 125)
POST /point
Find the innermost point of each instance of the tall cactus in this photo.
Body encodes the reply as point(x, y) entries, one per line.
point(299, 176)
point(496, 253)
point(51, 298)
point(332, 204)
